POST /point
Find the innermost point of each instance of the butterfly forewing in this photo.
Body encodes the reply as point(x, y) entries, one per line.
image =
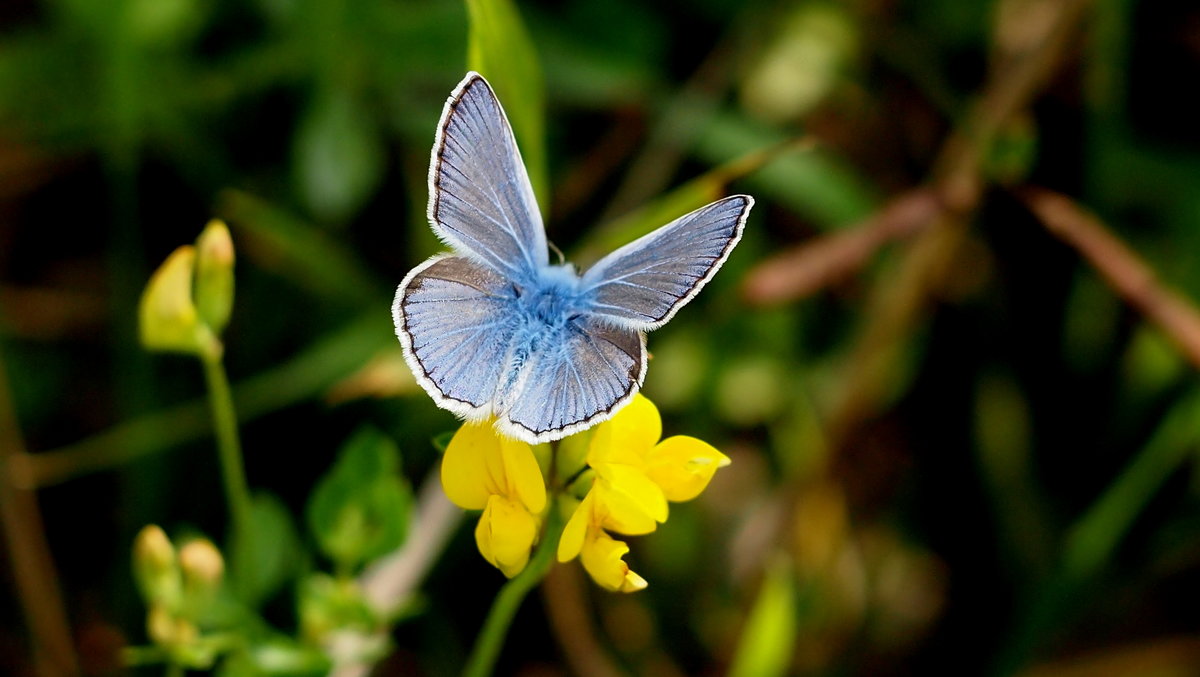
point(643, 284)
point(480, 200)
point(590, 373)
point(454, 318)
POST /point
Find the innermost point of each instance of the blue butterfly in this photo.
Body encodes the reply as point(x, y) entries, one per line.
point(493, 329)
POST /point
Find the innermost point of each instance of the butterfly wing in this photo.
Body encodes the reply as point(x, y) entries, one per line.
point(644, 283)
point(480, 200)
point(454, 319)
point(584, 376)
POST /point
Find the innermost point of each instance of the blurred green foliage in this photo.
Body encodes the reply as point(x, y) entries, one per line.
point(1022, 493)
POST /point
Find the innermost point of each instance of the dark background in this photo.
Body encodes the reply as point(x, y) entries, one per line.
point(931, 442)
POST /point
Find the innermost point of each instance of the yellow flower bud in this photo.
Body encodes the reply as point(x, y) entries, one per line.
point(505, 534)
point(166, 629)
point(202, 566)
point(155, 567)
point(167, 317)
point(214, 275)
point(601, 557)
point(485, 470)
point(480, 463)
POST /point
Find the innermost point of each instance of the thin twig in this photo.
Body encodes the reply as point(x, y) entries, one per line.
point(568, 610)
point(815, 264)
point(899, 300)
point(31, 562)
point(1120, 266)
point(391, 582)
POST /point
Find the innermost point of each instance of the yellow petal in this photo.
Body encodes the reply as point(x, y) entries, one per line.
point(523, 476)
point(167, 317)
point(627, 501)
point(572, 536)
point(683, 466)
point(465, 476)
point(214, 275)
point(628, 436)
point(505, 534)
point(602, 560)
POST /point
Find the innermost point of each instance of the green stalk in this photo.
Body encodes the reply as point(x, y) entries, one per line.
point(508, 600)
point(229, 448)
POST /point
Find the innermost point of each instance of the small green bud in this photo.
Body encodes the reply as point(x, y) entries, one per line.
point(202, 566)
point(214, 275)
point(167, 316)
point(155, 566)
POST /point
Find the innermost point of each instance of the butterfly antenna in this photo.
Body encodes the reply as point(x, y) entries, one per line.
point(562, 259)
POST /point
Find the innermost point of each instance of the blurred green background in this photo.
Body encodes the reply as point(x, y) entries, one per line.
point(956, 444)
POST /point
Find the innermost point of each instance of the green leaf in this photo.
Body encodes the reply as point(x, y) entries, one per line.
point(275, 655)
point(329, 605)
point(267, 557)
point(690, 196)
point(359, 510)
point(297, 249)
point(339, 158)
point(1092, 540)
point(818, 185)
point(765, 649)
point(442, 440)
point(499, 48)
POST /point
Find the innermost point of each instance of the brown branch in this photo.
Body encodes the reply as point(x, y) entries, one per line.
point(818, 263)
point(898, 301)
point(29, 556)
point(1120, 266)
point(568, 611)
point(1174, 655)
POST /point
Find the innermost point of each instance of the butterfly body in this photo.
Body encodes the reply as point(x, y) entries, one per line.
point(494, 330)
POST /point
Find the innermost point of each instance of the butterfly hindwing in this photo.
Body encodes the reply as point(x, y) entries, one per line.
point(585, 377)
point(643, 284)
point(454, 319)
point(480, 200)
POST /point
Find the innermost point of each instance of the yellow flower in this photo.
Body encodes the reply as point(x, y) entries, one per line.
point(483, 470)
point(635, 476)
point(680, 466)
point(214, 275)
point(167, 317)
point(189, 298)
point(601, 554)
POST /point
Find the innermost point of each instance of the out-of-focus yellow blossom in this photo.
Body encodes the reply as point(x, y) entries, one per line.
point(483, 470)
point(189, 298)
point(167, 315)
point(214, 275)
point(635, 476)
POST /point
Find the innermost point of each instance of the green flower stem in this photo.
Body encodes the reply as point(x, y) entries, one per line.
point(229, 448)
point(508, 600)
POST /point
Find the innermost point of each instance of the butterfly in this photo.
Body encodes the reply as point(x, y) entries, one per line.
point(493, 329)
